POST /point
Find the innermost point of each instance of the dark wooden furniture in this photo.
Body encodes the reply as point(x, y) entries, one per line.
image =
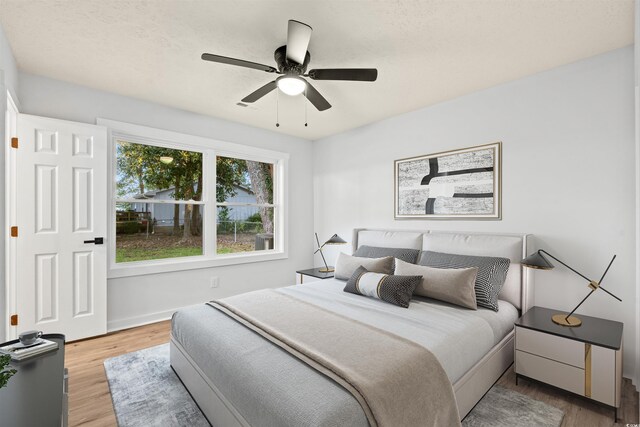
point(37, 394)
point(585, 360)
point(314, 272)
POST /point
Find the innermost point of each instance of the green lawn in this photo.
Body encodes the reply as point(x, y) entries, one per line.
point(143, 254)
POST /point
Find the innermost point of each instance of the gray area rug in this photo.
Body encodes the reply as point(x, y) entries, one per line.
point(502, 407)
point(146, 392)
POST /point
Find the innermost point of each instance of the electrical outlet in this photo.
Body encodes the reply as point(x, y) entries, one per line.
point(215, 282)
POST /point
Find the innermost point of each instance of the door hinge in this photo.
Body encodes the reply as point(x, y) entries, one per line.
point(14, 320)
point(14, 142)
point(14, 231)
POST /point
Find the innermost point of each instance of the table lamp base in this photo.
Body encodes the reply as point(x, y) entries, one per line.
point(561, 319)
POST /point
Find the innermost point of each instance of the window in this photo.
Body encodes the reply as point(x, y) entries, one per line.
point(244, 196)
point(182, 202)
point(158, 202)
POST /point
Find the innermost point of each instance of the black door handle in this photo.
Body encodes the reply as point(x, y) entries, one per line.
point(97, 241)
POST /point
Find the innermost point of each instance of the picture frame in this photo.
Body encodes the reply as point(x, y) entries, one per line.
point(463, 184)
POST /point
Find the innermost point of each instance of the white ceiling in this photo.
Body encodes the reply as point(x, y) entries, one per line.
point(425, 51)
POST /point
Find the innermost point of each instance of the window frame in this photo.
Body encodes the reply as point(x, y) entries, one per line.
point(210, 148)
point(276, 194)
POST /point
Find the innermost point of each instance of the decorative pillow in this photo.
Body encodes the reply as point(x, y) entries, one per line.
point(405, 254)
point(347, 264)
point(492, 272)
point(394, 289)
point(455, 286)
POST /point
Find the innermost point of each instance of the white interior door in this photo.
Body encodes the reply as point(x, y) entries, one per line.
point(61, 207)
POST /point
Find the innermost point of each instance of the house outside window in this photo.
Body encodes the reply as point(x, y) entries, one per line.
point(245, 208)
point(159, 203)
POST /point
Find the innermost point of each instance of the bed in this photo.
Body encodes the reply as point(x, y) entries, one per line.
point(239, 379)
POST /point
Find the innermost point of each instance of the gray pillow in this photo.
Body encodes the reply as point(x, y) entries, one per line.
point(492, 272)
point(455, 286)
point(347, 264)
point(405, 254)
point(393, 289)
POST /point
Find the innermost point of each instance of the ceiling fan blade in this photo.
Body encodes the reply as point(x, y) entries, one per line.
point(253, 97)
point(238, 62)
point(298, 36)
point(315, 98)
point(354, 74)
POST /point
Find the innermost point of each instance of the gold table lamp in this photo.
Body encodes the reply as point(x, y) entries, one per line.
point(537, 261)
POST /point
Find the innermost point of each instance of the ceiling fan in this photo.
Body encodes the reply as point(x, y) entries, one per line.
point(292, 61)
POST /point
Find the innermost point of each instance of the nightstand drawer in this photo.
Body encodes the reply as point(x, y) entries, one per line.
point(555, 373)
point(550, 346)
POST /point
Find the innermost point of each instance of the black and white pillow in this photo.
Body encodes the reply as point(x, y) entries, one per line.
point(405, 254)
point(394, 289)
point(492, 272)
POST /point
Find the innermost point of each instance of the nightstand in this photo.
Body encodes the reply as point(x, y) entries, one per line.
point(315, 273)
point(585, 360)
point(37, 395)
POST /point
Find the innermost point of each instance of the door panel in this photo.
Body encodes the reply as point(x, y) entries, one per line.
point(61, 202)
point(46, 208)
point(46, 287)
point(82, 283)
point(82, 199)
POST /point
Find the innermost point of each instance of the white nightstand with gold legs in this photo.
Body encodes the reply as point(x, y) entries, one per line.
point(585, 360)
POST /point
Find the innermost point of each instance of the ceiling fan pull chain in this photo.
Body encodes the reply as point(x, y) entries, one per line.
point(277, 108)
point(305, 106)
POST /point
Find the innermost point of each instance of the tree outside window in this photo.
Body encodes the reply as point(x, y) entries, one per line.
point(160, 212)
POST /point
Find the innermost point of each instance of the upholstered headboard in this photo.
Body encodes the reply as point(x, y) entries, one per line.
point(517, 288)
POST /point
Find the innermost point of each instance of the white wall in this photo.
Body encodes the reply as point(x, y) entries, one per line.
point(568, 174)
point(147, 298)
point(8, 65)
point(8, 81)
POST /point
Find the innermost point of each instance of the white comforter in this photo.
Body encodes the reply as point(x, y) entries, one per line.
point(458, 337)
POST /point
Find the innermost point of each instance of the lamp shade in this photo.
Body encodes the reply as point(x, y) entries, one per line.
point(335, 240)
point(537, 260)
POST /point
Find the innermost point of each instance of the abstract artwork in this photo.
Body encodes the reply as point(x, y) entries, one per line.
point(459, 184)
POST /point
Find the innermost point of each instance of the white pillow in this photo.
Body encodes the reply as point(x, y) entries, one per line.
point(452, 285)
point(346, 265)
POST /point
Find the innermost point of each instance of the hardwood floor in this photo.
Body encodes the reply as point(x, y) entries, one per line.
point(89, 398)
point(90, 402)
point(578, 411)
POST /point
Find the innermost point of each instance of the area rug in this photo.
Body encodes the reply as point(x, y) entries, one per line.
point(502, 407)
point(146, 392)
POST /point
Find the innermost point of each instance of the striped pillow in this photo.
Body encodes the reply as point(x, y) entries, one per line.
point(492, 272)
point(405, 254)
point(394, 289)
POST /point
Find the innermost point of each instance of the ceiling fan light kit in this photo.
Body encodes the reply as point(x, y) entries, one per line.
point(292, 61)
point(291, 85)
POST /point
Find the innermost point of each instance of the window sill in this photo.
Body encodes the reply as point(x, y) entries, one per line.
point(142, 268)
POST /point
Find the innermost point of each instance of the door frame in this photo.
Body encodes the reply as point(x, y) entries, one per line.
point(10, 244)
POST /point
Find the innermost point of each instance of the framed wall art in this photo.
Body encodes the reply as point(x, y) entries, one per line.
point(459, 184)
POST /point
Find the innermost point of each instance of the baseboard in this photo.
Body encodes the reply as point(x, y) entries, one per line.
point(145, 319)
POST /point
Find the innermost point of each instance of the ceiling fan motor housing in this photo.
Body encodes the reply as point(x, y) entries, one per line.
point(286, 66)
